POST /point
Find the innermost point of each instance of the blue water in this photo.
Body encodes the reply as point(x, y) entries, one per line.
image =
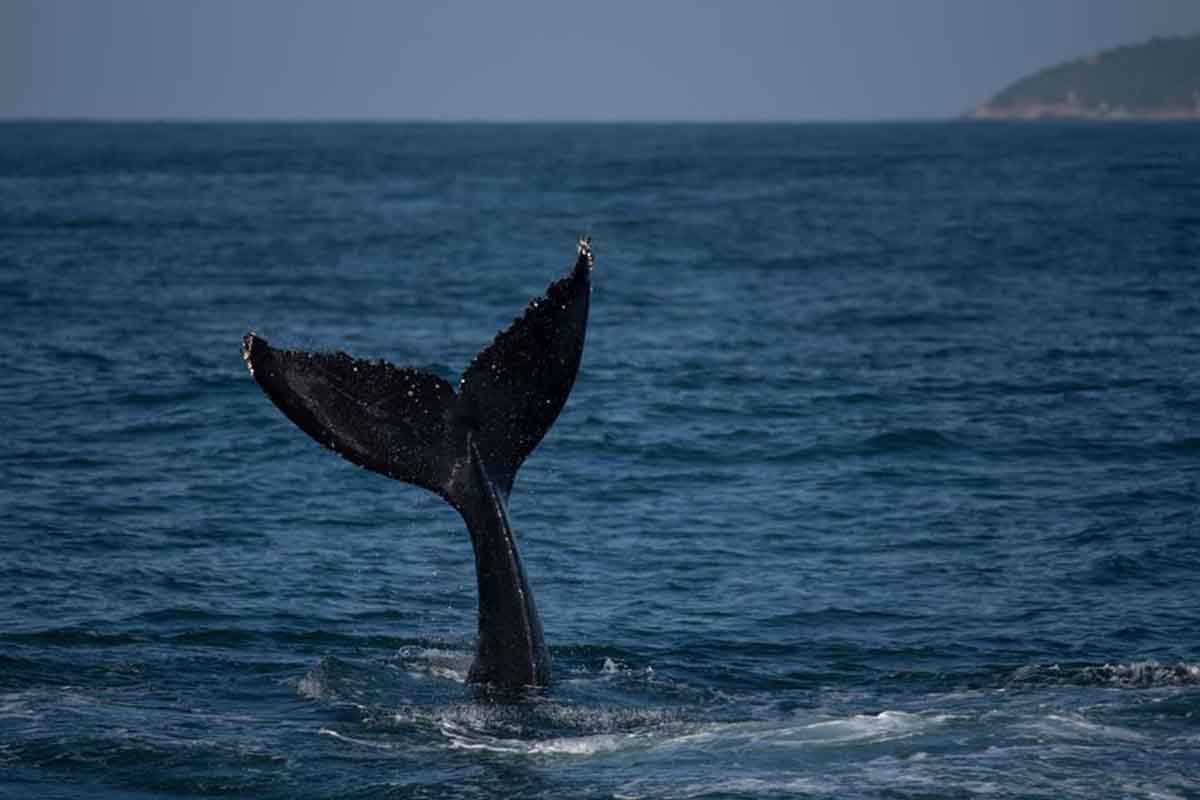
point(881, 477)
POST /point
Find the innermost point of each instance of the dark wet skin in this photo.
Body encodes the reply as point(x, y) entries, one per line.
point(466, 446)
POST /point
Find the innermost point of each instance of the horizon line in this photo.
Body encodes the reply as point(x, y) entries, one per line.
point(365, 120)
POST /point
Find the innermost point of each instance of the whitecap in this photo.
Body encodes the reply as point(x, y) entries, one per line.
point(1075, 726)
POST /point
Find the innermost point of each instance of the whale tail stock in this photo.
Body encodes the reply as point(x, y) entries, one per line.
point(466, 446)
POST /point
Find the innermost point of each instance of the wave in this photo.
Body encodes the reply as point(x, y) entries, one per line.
point(853, 319)
point(237, 637)
point(907, 439)
point(1155, 566)
point(1135, 675)
point(661, 731)
point(464, 739)
point(576, 720)
point(338, 680)
point(65, 221)
point(736, 787)
point(837, 614)
point(898, 441)
point(70, 637)
point(180, 614)
point(1186, 445)
point(378, 745)
point(1075, 726)
point(18, 705)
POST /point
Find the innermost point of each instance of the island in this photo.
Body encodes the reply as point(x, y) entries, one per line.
point(1155, 80)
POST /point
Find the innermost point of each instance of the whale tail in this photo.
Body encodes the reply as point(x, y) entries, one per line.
point(412, 425)
point(466, 446)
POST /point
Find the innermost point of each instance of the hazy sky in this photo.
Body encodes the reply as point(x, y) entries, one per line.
point(542, 59)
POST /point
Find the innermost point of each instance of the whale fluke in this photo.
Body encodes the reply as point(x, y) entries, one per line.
point(515, 387)
point(393, 421)
point(466, 446)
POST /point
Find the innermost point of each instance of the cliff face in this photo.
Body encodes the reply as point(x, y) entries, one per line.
point(1159, 79)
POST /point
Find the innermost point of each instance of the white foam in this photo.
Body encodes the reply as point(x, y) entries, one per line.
point(310, 687)
point(461, 739)
point(610, 670)
point(1137, 674)
point(1146, 673)
point(1074, 726)
point(884, 726)
point(436, 662)
point(435, 671)
point(466, 728)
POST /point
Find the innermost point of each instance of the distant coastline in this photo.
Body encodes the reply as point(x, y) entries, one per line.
point(1067, 111)
point(1155, 80)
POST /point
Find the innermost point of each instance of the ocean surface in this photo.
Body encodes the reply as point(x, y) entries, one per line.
point(881, 477)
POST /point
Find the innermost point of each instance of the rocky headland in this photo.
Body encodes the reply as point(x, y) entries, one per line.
point(1155, 80)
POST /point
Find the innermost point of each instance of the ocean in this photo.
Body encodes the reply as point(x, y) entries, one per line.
point(880, 478)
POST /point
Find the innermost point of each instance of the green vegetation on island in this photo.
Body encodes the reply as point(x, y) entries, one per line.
point(1159, 79)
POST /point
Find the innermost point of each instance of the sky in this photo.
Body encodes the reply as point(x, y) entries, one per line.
point(643, 60)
